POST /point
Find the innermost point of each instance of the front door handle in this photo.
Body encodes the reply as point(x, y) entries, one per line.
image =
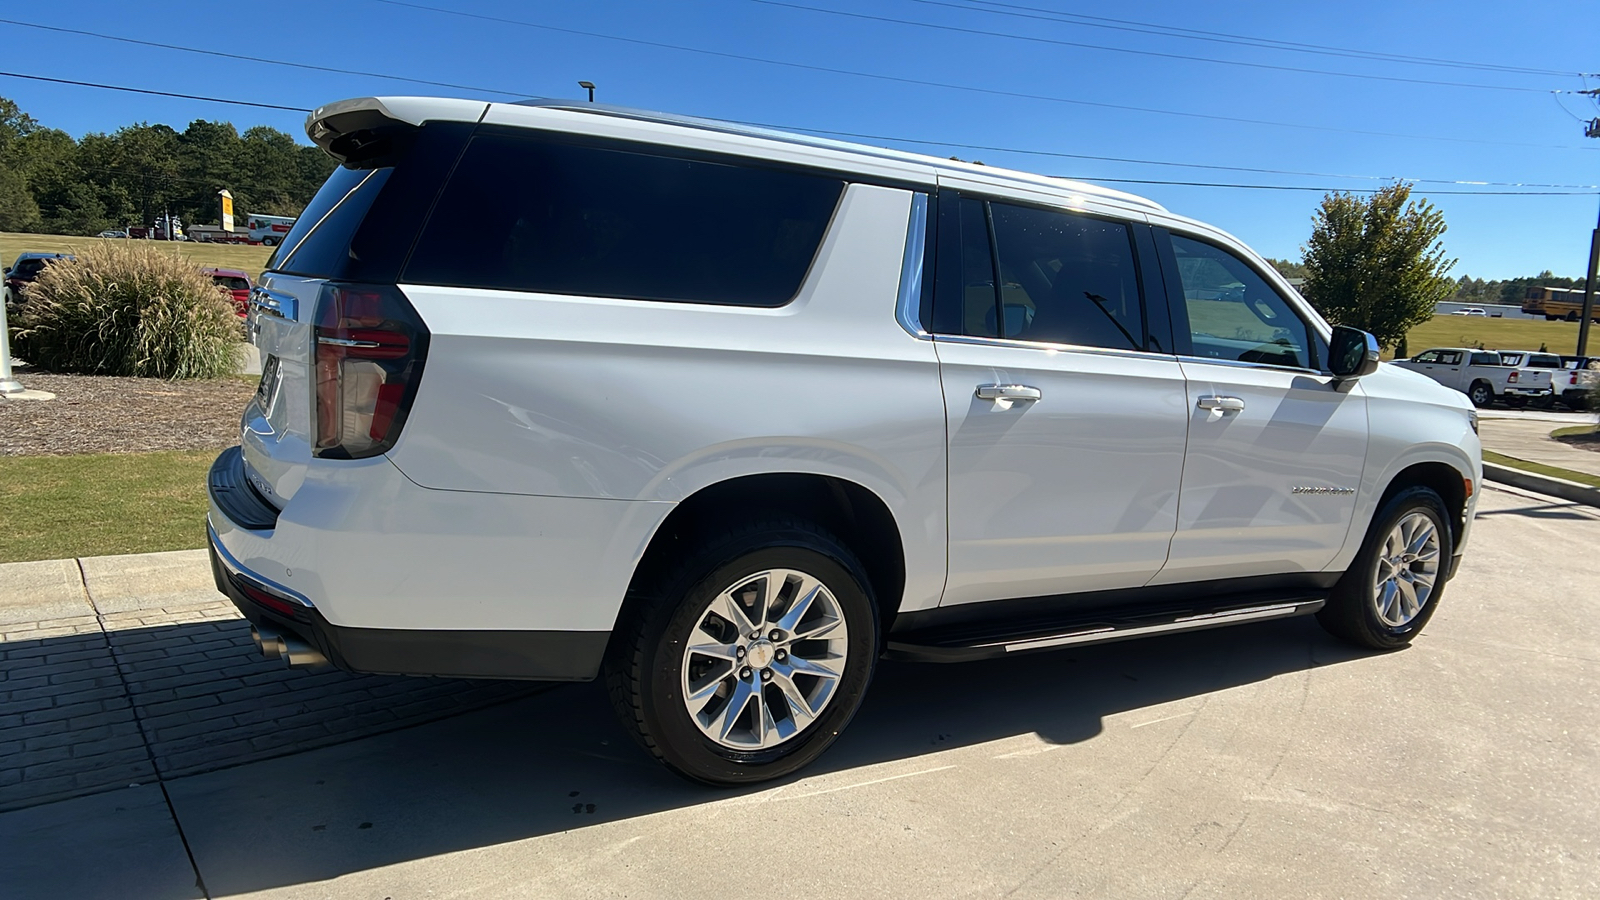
point(1221, 404)
point(1008, 392)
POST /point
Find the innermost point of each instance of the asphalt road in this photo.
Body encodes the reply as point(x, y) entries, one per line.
point(1261, 761)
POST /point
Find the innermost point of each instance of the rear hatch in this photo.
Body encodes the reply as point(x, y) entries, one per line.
point(342, 349)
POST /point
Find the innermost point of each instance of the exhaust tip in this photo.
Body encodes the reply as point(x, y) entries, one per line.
point(297, 653)
point(302, 655)
point(269, 642)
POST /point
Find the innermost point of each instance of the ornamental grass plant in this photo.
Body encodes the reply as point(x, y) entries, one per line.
point(127, 308)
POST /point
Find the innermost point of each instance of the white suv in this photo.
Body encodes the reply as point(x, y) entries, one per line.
point(553, 391)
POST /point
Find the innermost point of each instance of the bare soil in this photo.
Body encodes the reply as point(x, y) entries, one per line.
point(96, 414)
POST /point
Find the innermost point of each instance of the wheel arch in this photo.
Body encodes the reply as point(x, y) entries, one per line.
point(1445, 480)
point(849, 510)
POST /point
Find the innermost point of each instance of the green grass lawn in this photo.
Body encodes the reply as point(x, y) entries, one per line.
point(56, 507)
point(223, 256)
point(1500, 459)
point(1498, 334)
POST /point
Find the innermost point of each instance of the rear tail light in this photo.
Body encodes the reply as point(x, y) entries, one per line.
point(1513, 378)
point(370, 346)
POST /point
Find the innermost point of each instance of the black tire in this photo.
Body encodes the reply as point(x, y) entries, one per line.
point(1481, 394)
point(644, 667)
point(269, 242)
point(1352, 610)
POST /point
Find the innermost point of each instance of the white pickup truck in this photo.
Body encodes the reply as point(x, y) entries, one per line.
point(1532, 359)
point(1483, 375)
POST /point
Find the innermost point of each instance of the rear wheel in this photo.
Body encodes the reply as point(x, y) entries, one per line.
point(1393, 586)
point(747, 661)
point(1481, 394)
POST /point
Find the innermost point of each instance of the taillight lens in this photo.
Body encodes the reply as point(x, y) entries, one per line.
point(1513, 378)
point(370, 346)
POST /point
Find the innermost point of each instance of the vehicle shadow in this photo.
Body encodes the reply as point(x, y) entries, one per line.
point(558, 761)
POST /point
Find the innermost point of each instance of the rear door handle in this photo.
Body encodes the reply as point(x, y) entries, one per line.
point(1008, 392)
point(1223, 404)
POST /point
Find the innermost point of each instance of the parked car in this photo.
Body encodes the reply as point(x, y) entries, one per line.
point(1527, 359)
point(25, 270)
point(236, 283)
point(1575, 383)
point(723, 415)
point(1483, 375)
point(112, 234)
point(1470, 311)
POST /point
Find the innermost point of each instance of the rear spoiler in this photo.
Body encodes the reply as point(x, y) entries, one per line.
point(369, 132)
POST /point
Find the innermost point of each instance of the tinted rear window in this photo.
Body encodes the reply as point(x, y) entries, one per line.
point(320, 239)
point(530, 215)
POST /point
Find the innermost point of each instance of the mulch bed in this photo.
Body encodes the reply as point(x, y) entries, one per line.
point(96, 414)
point(1589, 441)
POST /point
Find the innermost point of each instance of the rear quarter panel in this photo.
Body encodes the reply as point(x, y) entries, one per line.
point(598, 398)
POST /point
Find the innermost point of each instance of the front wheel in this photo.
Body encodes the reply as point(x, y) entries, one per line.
point(1393, 586)
point(748, 661)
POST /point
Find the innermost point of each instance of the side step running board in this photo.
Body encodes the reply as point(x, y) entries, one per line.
point(1099, 633)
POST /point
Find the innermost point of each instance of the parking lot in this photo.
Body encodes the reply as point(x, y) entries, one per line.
point(1259, 761)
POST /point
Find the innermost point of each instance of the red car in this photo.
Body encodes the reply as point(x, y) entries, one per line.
point(236, 283)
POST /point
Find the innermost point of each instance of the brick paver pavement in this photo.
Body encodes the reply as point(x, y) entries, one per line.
point(95, 702)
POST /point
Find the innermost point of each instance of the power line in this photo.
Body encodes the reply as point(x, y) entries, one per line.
point(993, 92)
point(258, 59)
point(1222, 37)
point(1103, 47)
point(134, 90)
point(903, 140)
point(1155, 162)
point(222, 100)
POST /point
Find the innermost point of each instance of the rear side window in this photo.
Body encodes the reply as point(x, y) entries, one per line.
point(1485, 359)
point(319, 243)
point(529, 215)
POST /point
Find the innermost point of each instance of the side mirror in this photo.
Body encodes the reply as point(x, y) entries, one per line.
point(1351, 354)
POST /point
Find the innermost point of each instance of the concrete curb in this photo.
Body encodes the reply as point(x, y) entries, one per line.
point(1543, 484)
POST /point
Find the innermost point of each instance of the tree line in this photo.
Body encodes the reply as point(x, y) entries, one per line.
point(51, 183)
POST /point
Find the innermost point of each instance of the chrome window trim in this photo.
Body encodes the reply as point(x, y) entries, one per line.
point(1242, 364)
point(1015, 344)
point(908, 306)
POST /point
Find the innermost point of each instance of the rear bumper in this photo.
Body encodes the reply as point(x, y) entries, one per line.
point(533, 655)
point(380, 575)
point(1526, 392)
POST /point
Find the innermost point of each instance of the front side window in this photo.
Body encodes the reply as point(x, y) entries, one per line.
point(525, 214)
point(1234, 314)
point(1432, 356)
point(1450, 357)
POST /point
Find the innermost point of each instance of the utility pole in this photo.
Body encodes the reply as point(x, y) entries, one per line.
point(1588, 291)
point(1591, 129)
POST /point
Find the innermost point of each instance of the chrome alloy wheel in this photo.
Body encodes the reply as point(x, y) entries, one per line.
point(1407, 568)
point(764, 659)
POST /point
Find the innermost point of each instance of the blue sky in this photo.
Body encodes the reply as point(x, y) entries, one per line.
point(1345, 125)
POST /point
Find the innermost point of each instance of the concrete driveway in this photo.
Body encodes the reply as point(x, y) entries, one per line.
point(1261, 761)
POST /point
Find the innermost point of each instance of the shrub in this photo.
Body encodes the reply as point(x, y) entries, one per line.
point(127, 308)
